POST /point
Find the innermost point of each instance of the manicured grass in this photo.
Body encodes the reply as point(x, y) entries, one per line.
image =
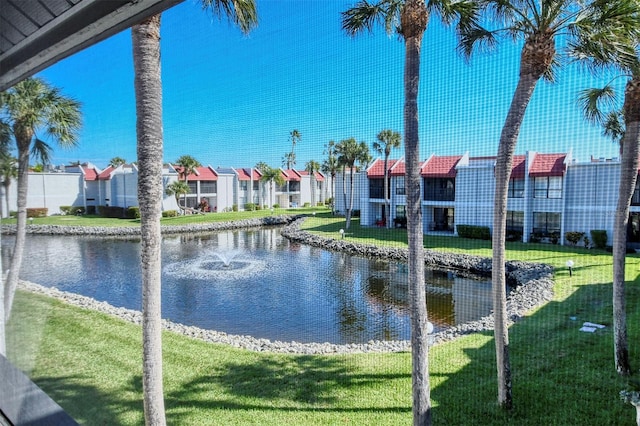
point(90, 363)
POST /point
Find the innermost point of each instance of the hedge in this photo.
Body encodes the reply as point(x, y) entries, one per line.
point(37, 212)
point(599, 238)
point(474, 232)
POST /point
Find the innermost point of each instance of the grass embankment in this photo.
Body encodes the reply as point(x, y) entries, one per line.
point(90, 363)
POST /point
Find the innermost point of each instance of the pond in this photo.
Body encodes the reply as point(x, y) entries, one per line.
point(255, 283)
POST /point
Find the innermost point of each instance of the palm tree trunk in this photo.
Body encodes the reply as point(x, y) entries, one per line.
point(504, 162)
point(628, 177)
point(417, 296)
point(387, 203)
point(148, 90)
point(23, 139)
point(351, 192)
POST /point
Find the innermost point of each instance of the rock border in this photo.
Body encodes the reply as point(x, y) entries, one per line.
point(532, 285)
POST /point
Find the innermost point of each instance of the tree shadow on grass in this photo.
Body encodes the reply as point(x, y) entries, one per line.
point(560, 375)
point(87, 405)
point(282, 383)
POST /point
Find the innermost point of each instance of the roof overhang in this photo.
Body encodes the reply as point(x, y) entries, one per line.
point(35, 34)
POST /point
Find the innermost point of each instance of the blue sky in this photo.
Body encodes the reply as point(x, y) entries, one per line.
point(232, 100)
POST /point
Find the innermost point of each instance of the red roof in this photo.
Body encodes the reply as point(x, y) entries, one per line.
point(246, 174)
point(106, 173)
point(442, 167)
point(319, 176)
point(398, 169)
point(291, 175)
point(90, 174)
point(203, 173)
point(518, 168)
point(548, 165)
point(376, 170)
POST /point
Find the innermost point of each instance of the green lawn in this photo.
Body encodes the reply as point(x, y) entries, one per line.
point(90, 363)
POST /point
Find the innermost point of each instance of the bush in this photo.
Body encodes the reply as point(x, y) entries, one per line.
point(573, 237)
point(170, 213)
point(72, 210)
point(514, 235)
point(133, 213)
point(91, 209)
point(13, 214)
point(306, 204)
point(234, 208)
point(249, 207)
point(37, 212)
point(276, 206)
point(111, 211)
point(599, 238)
point(474, 232)
point(320, 204)
point(355, 213)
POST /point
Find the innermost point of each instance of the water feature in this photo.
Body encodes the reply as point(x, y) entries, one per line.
point(255, 283)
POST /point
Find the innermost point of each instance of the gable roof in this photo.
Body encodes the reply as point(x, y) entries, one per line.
point(319, 176)
point(291, 174)
point(518, 168)
point(106, 173)
point(440, 167)
point(248, 174)
point(376, 170)
point(202, 174)
point(548, 165)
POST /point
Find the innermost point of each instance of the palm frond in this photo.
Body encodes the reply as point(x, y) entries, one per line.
point(41, 151)
point(476, 38)
point(613, 126)
point(596, 103)
point(364, 16)
point(242, 13)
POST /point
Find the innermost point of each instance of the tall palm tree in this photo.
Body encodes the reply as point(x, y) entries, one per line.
point(188, 166)
point(586, 28)
point(350, 154)
point(331, 166)
point(33, 108)
point(387, 140)
point(409, 18)
point(148, 90)
point(312, 167)
point(620, 122)
point(272, 176)
point(117, 162)
point(8, 172)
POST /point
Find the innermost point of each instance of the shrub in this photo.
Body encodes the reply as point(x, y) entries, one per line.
point(276, 206)
point(133, 213)
point(72, 210)
point(586, 242)
point(111, 211)
point(599, 238)
point(91, 209)
point(13, 213)
point(37, 212)
point(355, 213)
point(66, 209)
point(234, 208)
point(474, 232)
point(574, 237)
point(514, 235)
point(250, 207)
point(258, 207)
point(307, 204)
point(170, 213)
point(320, 204)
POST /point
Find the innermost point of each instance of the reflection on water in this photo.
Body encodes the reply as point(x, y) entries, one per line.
point(256, 283)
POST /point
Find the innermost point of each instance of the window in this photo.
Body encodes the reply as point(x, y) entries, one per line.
point(439, 189)
point(635, 200)
point(548, 187)
point(400, 188)
point(208, 187)
point(376, 188)
point(401, 212)
point(256, 185)
point(193, 188)
point(516, 188)
point(243, 185)
point(515, 221)
point(546, 222)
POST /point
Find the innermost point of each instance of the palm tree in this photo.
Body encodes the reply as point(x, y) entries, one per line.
point(30, 107)
point(188, 166)
point(8, 171)
point(622, 124)
point(148, 90)
point(177, 188)
point(330, 166)
point(350, 153)
point(295, 138)
point(409, 18)
point(289, 160)
point(272, 176)
point(387, 140)
point(312, 167)
point(587, 28)
point(117, 162)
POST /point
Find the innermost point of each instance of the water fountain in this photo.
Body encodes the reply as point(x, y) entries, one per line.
point(215, 265)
